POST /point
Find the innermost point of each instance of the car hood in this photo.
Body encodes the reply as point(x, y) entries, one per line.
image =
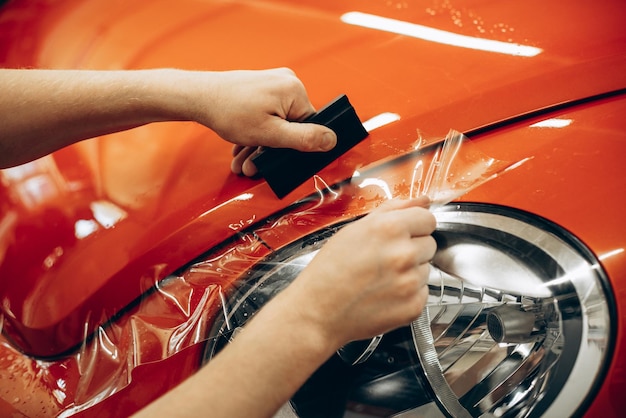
point(85, 230)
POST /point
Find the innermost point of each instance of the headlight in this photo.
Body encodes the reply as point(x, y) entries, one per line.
point(518, 323)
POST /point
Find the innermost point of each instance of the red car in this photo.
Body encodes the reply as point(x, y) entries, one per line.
point(128, 261)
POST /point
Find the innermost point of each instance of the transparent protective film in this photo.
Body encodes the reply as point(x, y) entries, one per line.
point(455, 168)
point(193, 313)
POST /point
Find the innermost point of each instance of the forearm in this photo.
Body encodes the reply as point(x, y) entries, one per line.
point(44, 110)
point(255, 374)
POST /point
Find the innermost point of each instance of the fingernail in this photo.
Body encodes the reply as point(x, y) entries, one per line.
point(329, 141)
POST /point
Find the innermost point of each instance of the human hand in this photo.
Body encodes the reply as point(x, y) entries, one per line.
point(260, 108)
point(371, 276)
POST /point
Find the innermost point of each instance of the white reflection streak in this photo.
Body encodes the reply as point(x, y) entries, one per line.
point(186, 310)
point(611, 254)
point(436, 35)
point(418, 174)
point(104, 344)
point(59, 395)
point(377, 182)
point(84, 227)
point(107, 213)
point(552, 123)
point(225, 310)
point(380, 120)
point(241, 197)
point(581, 277)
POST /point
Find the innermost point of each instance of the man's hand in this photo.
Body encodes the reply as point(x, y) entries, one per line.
point(259, 108)
point(371, 276)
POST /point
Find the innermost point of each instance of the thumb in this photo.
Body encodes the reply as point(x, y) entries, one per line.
point(308, 137)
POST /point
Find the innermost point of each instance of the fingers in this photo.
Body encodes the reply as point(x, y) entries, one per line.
point(403, 217)
point(407, 253)
point(248, 168)
point(426, 248)
point(307, 137)
point(416, 282)
point(242, 160)
point(237, 149)
point(419, 221)
point(420, 300)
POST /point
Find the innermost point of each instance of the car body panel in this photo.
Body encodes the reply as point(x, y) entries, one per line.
point(86, 230)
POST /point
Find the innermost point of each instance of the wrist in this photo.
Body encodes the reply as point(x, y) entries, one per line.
point(150, 89)
point(302, 323)
point(177, 95)
point(166, 102)
point(306, 313)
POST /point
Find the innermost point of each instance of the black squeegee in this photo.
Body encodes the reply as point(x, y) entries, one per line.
point(285, 169)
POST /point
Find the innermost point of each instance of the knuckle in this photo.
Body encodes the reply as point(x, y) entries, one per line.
point(426, 219)
point(398, 261)
point(291, 81)
point(405, 287)
point(402, 258)
point(414, 306)
point(430, 246)
point(431, 221)
point(423, 273)
point(421, 300)
point(286, 70)
point(389, 226)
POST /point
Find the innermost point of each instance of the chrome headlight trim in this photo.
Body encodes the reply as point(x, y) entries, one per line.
point(574, 281)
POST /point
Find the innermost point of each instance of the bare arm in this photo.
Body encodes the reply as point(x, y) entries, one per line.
point(44, 110)
point(343, 295)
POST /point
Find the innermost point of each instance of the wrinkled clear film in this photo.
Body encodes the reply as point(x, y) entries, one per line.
point(198, 310)
point(456, 167)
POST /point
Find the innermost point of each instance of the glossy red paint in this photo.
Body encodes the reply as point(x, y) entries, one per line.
point(84, 231)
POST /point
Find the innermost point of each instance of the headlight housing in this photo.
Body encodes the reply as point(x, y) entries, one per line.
point(519, 322)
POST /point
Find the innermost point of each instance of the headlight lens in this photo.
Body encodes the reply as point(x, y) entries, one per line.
point(518, 323)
